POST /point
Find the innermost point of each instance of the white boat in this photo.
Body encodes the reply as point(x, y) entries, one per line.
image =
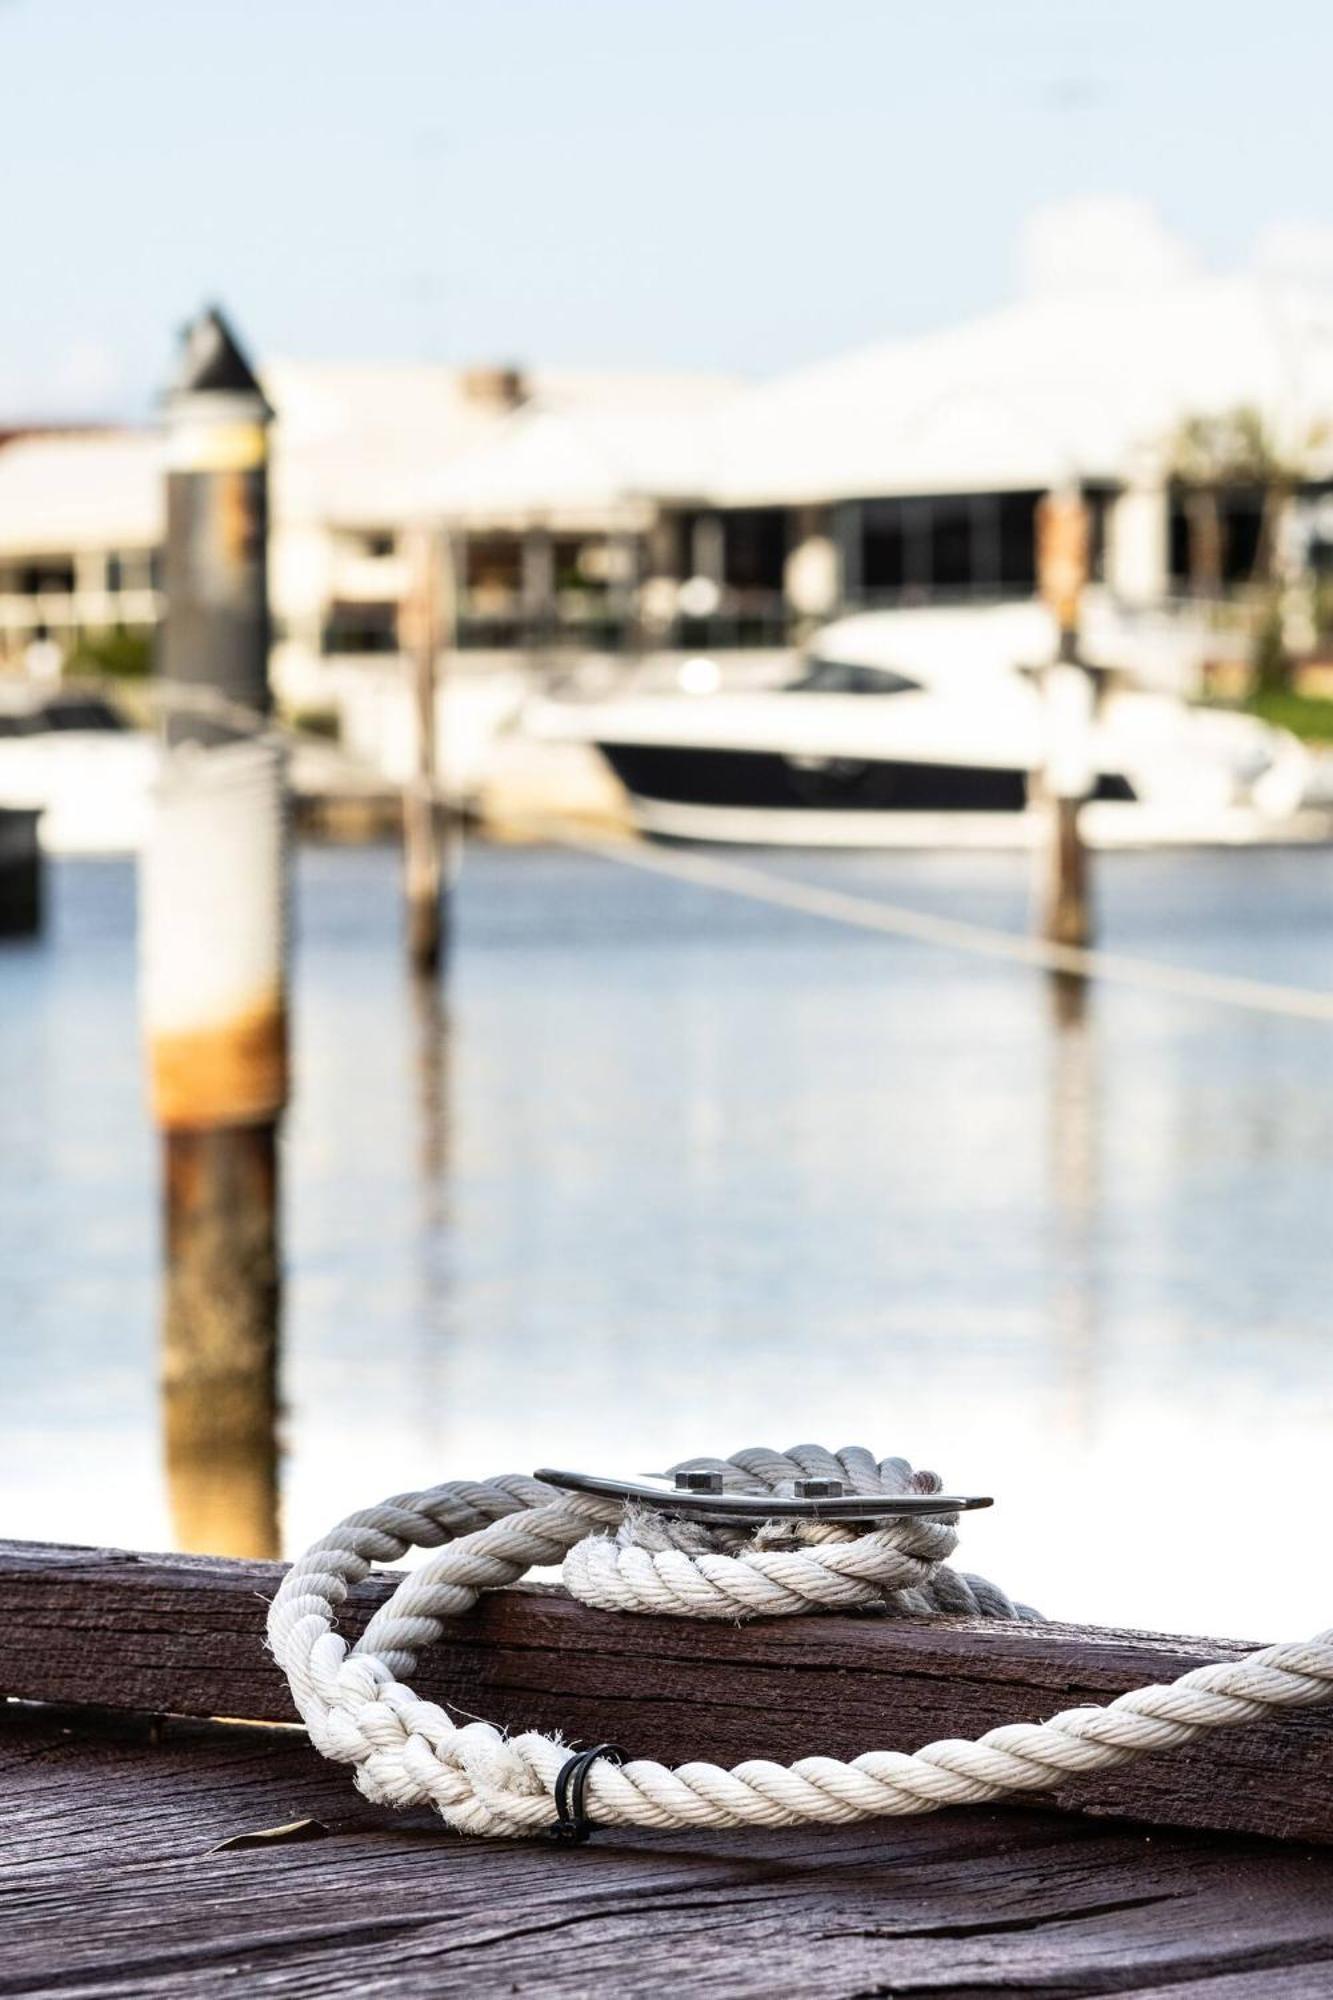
point(927, 727)
point(72, 757)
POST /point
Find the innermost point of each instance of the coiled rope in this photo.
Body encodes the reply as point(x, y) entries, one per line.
point(359, 1710)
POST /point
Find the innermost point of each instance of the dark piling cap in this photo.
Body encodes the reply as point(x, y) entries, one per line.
point(212, 361)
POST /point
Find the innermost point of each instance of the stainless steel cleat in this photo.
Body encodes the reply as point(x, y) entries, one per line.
point(701, 1496)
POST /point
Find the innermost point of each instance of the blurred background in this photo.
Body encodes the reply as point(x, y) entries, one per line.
point(666, 766)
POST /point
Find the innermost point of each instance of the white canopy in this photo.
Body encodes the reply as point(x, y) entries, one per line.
point(583, 469)
point(1031, 394)
point(80, 490)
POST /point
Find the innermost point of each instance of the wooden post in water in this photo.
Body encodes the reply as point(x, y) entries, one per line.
point(1062, 570)
point(213, 934)
point(21, 870)
point(423, 843)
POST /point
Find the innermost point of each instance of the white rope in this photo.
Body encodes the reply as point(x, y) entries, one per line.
point(406, 1751)
point(868, 913)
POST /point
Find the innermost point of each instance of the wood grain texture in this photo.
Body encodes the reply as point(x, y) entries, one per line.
point(184, 1636)
point(111, 1885)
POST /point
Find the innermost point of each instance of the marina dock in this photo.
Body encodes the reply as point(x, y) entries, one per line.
point(666, 786)
point(155, 1850)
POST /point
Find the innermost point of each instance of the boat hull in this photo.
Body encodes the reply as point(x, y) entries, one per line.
point(772, 798)
point(774, 780)
point(756, 799)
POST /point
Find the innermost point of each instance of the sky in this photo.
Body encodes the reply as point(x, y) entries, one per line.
point(744, 185)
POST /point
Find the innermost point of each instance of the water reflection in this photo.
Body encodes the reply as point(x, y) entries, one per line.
point(674, 1172)
point(430, 1025)
point(221, 1321)
point(1074, 1115)
point(428, 1034)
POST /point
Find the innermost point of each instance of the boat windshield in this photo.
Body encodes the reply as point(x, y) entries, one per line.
point(81, 712)
point(821, 676)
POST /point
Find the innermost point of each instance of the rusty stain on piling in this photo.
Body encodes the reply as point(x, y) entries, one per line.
point(240, 517)
point(232, 1072)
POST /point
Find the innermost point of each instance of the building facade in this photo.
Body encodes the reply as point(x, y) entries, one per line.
point(613, 513)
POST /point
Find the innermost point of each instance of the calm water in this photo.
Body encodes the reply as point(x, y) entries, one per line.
point(679, 1172)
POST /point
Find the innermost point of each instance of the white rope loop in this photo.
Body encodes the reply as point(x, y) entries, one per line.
point(359, 1710)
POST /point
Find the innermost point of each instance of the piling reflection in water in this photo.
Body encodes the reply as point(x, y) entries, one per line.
point(677, 1172)
point(222, 1299)
point(431, 1025)
point(1074, 1114)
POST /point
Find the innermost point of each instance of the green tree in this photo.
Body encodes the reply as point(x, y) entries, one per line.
point(1231, 449)
point(123, 655)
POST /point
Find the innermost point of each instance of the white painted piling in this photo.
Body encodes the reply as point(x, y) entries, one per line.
point(213, 928)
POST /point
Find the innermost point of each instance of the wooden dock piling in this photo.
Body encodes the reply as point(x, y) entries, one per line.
point(21, 872)
point(423, 838)
point(1065, 890)
point(213, 925)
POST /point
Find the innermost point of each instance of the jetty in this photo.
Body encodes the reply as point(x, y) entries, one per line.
point(168, 1830)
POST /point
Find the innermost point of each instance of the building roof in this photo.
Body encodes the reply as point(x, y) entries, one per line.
point(579, 467)
point(1020, 398)
point(65, 491)
point(352, 439)
point(362, 444)
point(365, 443)
point(1089, 377)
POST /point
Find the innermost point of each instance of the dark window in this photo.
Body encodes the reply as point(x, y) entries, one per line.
point(916, 519)
point(1240, 517)
point(374, 543)
point(1018, 541)
point(493, 563)
point(361, 628)
point(48, 574)
point(569, 565)
point(1242, 527)
point(947, 543)
point(986, 541)
point(1178, 541)
point(1099, 502)
point(883, 546)
point(754, 548)
point(677, 548)
point(952, 562)
point(1321, 541)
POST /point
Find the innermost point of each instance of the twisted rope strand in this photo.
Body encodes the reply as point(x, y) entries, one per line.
point(406, 1751)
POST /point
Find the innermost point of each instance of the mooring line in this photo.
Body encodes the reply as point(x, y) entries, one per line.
point(953, 933)
point(631, 1552)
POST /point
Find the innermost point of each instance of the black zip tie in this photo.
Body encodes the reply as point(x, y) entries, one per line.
point(572, 1825)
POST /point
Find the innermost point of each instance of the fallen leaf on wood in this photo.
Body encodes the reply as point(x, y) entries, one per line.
point(274, 1836)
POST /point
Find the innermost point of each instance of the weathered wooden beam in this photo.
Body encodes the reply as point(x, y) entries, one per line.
point(125, 1870)
point(184, 1635)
